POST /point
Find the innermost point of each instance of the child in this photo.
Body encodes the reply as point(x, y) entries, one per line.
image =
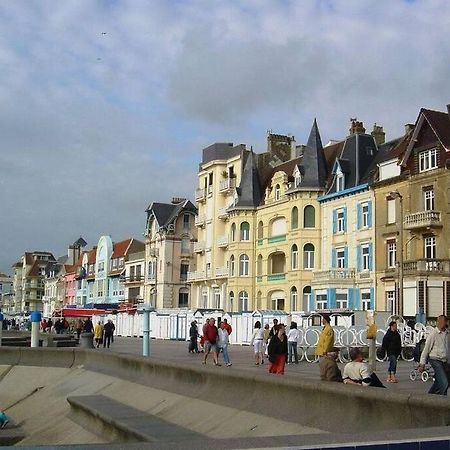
point(3, 419)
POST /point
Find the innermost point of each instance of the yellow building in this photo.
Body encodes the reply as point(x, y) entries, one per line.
point(259, 225)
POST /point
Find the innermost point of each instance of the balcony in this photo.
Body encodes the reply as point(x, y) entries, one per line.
point(200, 195)
point(222, 213)
point(222, 241)
point(276, 277)
point(225, 186)
point(276, 239)
point(221, 272)
point(200, 221)
point(427, 267)
point(334, 274)
point(194, 276)
point(133, 279)
point(199, 247)
point(423, 219)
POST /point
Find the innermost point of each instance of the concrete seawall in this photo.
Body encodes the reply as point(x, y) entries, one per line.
point(328, 406)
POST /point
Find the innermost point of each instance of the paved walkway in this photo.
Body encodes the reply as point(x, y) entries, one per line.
point(242, 359)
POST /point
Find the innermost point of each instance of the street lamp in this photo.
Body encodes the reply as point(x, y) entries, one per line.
point(394, 195)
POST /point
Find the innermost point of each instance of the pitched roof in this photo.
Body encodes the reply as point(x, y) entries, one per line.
point(92, 255)
point(165, 213)
point(249, 190)
point(120, 248)
point(80, 242)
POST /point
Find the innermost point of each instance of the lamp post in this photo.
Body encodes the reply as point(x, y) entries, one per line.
point(393, 195)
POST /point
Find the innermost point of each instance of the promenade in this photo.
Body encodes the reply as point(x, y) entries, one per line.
point(243, 363)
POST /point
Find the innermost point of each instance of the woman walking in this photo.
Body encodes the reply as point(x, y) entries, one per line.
point(258, 342)
point(293, 338)
point(98, 334)
point(193, 335)
point(392, 345)
point(278, 350)
point(222, 343)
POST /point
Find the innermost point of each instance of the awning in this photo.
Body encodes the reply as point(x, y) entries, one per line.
point(78, 312)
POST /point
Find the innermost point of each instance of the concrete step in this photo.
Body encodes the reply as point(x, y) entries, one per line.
point(124, 423)
point(11, 434)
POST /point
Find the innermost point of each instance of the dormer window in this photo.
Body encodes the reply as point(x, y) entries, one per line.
point(277, 192)
point(297, 178)
point(428, 160)
point(340, 182)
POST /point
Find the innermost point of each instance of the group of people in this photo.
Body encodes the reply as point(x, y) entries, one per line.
point(104, 333)
point(59, 326)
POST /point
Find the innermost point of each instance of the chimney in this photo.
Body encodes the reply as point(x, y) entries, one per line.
point(409, 127)
point(356, 126)
point(378, 134)
point(176, 200)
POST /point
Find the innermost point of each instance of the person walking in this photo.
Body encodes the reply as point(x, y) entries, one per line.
point(210, 334)
point(88, 327)
point(108, 331)
point(278, 350)
point(98, 334)
point(326, 338)
point(266, 333)
point(274, 328)
point(223, 341)
point(258, 343)
point(392, 345)
point(293, 339)
point(436, 352)
point(193, 336)
point(79, 328)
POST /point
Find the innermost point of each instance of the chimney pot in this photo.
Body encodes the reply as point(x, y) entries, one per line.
point(378, 134)
point(356, 126)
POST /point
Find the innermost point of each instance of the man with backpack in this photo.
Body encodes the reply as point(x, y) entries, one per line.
point(436, 351)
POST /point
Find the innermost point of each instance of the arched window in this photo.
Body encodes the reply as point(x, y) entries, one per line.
point(243, 301)
point(294, 218)
point(308, 256)
point(245, 231)
point(259, 265)
point(233, 232)
point(306, 298)
point(278, 227)
point(232, 266)
point(277, 192)
point(260, 230)
point(309, 217)
point(243, 265)
point(183, 298)
point(231, 300)
point(294, 299)
point(294, 257)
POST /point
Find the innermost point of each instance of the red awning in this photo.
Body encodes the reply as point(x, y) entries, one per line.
point(78, 312)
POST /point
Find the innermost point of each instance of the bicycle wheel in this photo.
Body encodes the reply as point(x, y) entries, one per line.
point(413, 375)
point(425, 376)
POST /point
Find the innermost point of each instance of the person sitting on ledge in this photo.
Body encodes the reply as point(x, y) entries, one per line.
point(329, 370)
point(358, 372)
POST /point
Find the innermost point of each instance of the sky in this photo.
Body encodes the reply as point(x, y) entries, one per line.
point(105, 106)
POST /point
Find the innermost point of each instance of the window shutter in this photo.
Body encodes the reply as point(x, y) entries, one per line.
point(372, 298)
point(345, 219)
point(346, 257)
point(331, 298)
point(312, 301)
point(358, 216)
point(356, 298)
point(333, 257)
point(334, 221)
point(350, 299)
point(369, 218)
point(358, 258)
point(370, 256)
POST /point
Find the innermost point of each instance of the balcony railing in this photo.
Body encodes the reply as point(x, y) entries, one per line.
point(334, 274)
point(222, 241)
point(200, 194)
point(222, 213)
point(227, 184)
point(200, 221)
point(199, 247)
point(194, 276)
point(276, 277)
point(133, 279)
point(439, 266)
point(221, 272)
point(423, 219)
point(275, 239)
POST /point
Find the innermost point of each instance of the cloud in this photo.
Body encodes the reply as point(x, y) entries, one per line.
point(95, 126)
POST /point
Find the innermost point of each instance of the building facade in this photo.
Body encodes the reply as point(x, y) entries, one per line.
point(6, 292)
point(170, 242)
point(134, 278)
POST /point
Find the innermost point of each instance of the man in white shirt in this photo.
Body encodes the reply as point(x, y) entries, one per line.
point(358, 372)
point(436, 351)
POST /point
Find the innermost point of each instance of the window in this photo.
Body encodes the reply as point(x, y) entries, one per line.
point(365, 215)
point(233, 232)
point(294, 257)
point(138, 273)
point(259, 265)
point(306, 298)
point(208, 270)
point(308, 256)
point(186, 221)
point(278, 227)
point(183, 298)
point(243, 301)
point(339, 220)
point(297, 178)
point(309, 217)
point(184, 269)
point(217, 299)
point(340, 182)
point(428, 199)
point(205, 298)
point(185, 245)
point(152, 269)
point(121, 262)
point(231, 296)
point(294, 218)
point(245, 231)
point(340, 258)
point(341, 301)
point(101, 266)
point(390, 301)
point(321, 301)
point(132, 269)
point(365, 301)
point(430, 247)
point(260, 230)
point(243, 265)
point(114, 263)
point(391, 211)
point(232, 266)
point(391, 251)
point(365, 256)
point(277, 192)
point(428, 160)
point(294, 298)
